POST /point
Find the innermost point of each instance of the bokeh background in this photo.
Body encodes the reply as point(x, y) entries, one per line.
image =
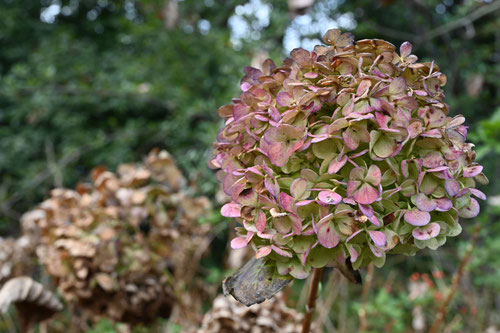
point(86, 83)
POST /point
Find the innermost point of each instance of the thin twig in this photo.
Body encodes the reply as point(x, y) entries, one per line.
point(311, 300)
point(363, 324)
point(331, 292)
point(464, 21)
point(455, 281)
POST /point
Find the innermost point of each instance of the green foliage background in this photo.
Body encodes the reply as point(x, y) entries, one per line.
point(102, 82)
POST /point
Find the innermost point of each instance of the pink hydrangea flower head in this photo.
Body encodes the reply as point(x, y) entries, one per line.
point(345, 151)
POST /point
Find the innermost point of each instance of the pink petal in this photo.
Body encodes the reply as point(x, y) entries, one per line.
point(366, 210)
point(471, 211)
point(327, 235)
point(239, 243)
point(263, 252)
point(310, 75)
point(231, 210)
point(452, 187)
point(271, 186)
point(296, 224)
point(443, 204)
point(260, 222)
point(438, 169)
point(433, 133)
point(374, 220)
point(478, 193)
point(329, 197)
point(337, 164)
point(366, 194)
point(349, 201)
point(430, 231)
point(363, 87)
point(351, 139)
point(286, 202)
point(284, 99)
point(352, 186)
point(433, 160)
point(405, 49)
point(378, 237)
point(417, 217)
point(472, 171)
point(424, 203)
point(375, 250)
point(278, 153)
point(268, 234)
point(281, 252)
point(352, 252)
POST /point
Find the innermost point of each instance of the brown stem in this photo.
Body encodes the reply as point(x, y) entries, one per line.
point(366, 290)
point(311, 300)
point(455, 281)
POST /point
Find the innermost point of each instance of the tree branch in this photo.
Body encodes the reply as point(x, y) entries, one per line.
point(465, 21)
point(461, 22)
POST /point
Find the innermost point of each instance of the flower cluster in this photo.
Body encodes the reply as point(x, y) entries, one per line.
point(345, 151)
point(118, 247)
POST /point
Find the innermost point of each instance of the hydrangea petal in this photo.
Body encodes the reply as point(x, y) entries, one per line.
point(263, 252)
point(239, 243)
point(452, 187)
point(336, 164)
point(424, 203)
point(373, 175)
point(378, 237)
point(429, 231)
point(298, 188)
point(231, 210)
point(281, 252)
point(478, 193)
point(417, 218)
point(470, 211)
point(366, 194)
point(286, 202)
point(327, 235)
point(329, 197)
point(472, 171)
point(444, 204)
point(260, 222)
point(405, 49)
point(284, 99)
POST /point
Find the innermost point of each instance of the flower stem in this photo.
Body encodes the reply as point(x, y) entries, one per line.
point(455, 282)
point(311, 300)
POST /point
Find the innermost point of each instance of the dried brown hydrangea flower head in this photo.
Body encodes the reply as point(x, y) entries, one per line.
point(228, 316)
point(16, 258)
point(118, 247)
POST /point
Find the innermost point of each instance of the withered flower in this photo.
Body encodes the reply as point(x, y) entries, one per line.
point(118, 247)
